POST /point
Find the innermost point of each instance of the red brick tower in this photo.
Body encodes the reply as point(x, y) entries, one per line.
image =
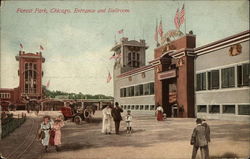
point(174, 76)
point(30, 75)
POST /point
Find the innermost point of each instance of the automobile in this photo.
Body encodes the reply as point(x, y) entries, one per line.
point(77, 113)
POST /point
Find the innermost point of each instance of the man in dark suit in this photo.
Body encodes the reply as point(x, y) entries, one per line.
point(198, 140)
point(116, 114)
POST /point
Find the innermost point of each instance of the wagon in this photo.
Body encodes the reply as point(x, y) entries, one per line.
point(78, 114)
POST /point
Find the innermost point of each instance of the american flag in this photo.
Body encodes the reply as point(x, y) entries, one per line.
point(182, 15)
point(114, 56)
point(120, 31)
point(176, 19)
point(21, 45)
point(109, 78)
point(156, 32)
point(41, 47)
point(160, 29)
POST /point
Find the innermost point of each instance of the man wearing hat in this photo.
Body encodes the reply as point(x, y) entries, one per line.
point(198, 140)
point(116, 114)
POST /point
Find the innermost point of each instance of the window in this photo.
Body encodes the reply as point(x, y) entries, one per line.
point(244, 109)
point(125, 107)
point(141, 107)
point(127, 92)
point(214, 109)
point(131, 91)
point(146, 89)
point(201, 81)
point(146, 107)
point(202, 108)
point(132, 107)
point(230, 109)
point(128, 106)
point(122, 106)
point(227, 77)
point(151, 87)
point(133, 56)
point(141, 89)
point(137, 90)
point(35, 67)
point(152, 107)
point(213, 79)
point(137, 107)
point(26, 66)
point(138, 57)
point(123, 92)
point(243, 72)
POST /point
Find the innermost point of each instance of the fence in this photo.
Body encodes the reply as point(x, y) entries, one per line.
point(9, 124)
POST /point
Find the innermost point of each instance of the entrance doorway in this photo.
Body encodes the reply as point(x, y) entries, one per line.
point(170, 94)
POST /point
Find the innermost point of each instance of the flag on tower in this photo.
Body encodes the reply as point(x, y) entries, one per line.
point(176, 19)
point(160, 29)
point(112, 57)
point(41, 47)
point(21, 45)
point(120, 31)
point(182, 15)
point(156, 32)
point(109, 78)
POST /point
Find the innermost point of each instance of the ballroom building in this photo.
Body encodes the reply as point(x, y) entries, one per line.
point(30, 81)
point(222, 78)
point(211, 81)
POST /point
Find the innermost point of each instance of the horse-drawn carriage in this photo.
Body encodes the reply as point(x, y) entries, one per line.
point(78, 114)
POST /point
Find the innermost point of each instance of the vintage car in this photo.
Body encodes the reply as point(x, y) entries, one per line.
point(78, 114)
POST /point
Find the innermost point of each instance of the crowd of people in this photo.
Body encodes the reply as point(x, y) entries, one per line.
point(50, 130)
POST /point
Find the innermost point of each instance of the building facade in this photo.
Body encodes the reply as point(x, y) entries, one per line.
point(138, 86)
point(222, 79)
point(211, 81)
point(30, 81)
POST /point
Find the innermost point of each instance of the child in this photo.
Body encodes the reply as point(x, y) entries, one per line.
point(129, 122)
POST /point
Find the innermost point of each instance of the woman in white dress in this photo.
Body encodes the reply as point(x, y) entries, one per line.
point(46, 126)
point(106, 120)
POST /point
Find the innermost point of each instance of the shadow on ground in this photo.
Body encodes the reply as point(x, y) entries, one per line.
point(225, 155)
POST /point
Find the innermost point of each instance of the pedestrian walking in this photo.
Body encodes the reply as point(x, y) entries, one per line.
point(106, 119)
point(116, 114)
point(207, 132)
point(45, 128)
point(159, 112)
point(198, 140)
point(128, 120)
point(58, 124)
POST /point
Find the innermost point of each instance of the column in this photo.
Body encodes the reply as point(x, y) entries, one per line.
point(100, 105)
point(41, 106)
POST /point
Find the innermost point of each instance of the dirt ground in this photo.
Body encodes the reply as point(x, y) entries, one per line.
point(150, 140)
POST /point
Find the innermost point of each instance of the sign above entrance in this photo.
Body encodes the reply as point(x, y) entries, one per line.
point(167, 74)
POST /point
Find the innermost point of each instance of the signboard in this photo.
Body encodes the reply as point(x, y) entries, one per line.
point(167, 74)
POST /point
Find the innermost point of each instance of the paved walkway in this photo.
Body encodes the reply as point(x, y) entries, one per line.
point(150, 140)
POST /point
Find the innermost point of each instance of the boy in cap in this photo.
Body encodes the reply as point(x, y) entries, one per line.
point(129, 122)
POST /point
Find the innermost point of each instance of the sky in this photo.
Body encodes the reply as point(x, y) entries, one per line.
point(77, 45)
